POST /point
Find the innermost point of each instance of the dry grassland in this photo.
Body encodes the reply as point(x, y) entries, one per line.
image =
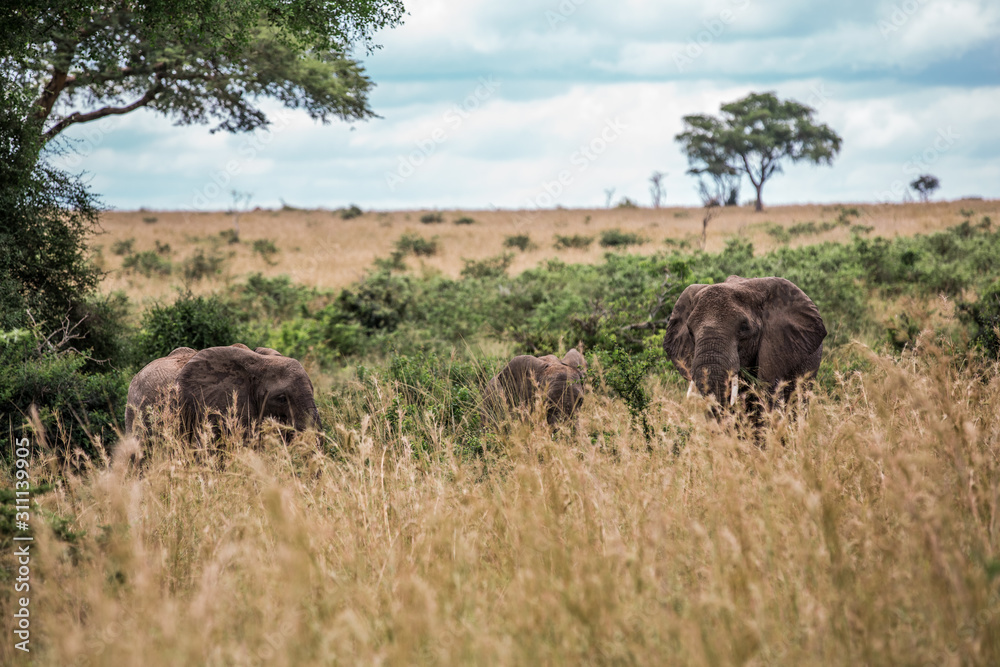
point(866, 533)
point(319, 249)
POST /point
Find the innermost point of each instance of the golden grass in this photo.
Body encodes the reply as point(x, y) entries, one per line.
point(319, 249)
point(866, 532)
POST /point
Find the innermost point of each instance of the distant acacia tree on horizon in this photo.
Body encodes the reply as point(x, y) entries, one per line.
point(754, 136)
point(925, 185)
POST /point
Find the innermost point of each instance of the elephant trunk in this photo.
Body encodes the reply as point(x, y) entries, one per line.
point(716, 372)
point(309, 417)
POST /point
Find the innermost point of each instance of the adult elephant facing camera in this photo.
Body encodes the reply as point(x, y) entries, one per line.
point(219, 379)
point(766, 327)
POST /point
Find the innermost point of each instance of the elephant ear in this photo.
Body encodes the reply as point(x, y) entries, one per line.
point(574, 359)
point(209, 379)
point(792, 331)
point(677, 341)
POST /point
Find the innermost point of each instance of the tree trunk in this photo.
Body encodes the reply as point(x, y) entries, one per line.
point(759, 205)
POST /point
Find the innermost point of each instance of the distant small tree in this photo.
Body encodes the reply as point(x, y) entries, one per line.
point(608, 194)
point(925, 185)
point(711, 204)
point(656, 189)
point(753, 137)
point(241, 202)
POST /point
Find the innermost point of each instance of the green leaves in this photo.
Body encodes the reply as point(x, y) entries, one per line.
point(198, 61)
point(754, 136)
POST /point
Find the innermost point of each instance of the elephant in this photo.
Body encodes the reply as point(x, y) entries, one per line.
point(261, 384)
point(561, 380)
point(151, 385)
point(155, 382)
point(766, 328)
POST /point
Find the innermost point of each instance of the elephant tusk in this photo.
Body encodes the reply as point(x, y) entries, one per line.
point(736, 390)
point(691, 390)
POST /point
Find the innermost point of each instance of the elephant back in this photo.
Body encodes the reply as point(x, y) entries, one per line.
point(152, 385)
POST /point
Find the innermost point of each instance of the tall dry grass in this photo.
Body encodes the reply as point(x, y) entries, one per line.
point(865, 532)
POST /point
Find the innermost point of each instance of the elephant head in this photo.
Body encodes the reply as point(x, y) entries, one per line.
point(264, 385)
point(560, 380)
point(152, 384)
point(766, 327)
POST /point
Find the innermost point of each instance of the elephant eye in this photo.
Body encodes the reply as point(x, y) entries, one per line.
point(744, 327)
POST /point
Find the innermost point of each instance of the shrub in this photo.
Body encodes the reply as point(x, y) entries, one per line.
point(576, 241)
point(465, 220)
point(519, 241)
point(191, 321)
point(983, 316)
point(418, 245)
point(123, 246)
point(147, 263)
point(615, 238)
point(351, 212)
point(777, 232)
point(229, 236)
point(271, 299)
point(446, 391)
point(199, 265)
point(149, 219)
point(627, 202)
point(431, 218)
point(491, 267)
point(76, 409)
point(265, 248)
point(378, 302)
point(162, 248)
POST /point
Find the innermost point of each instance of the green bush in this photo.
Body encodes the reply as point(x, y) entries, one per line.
point(615, 238)
point(200, 265)
point(229, 236)
point(431, 218)
point(272, 299)
point(76, 409)
point(147, 263)
point(149, 219)
point(491, 267)
point(519, 241)
point(416, 244)
point(265, 248)
point(191, 321)
point(350, 212)
point(443, 390)
point(983, 317)
point(123, 246)
point(379, 302)
point(465, 220)
point(576, 241)
point(162, 248)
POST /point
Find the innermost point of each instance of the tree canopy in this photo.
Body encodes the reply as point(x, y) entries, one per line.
point(753, 137)
point(925, 185)
point(196, 61)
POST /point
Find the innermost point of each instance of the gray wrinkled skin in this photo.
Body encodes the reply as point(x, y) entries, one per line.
point(561, 382)
point(266, 384)
point(766, 328)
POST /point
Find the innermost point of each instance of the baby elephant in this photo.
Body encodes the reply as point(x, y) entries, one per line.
point(560, 381)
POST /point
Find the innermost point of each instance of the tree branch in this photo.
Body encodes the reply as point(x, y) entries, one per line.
point(77, 117)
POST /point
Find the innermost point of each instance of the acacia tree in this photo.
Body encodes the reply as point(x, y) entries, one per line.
point(925, 185)
point(753, 137)
point(198, 61)
point(65, 62)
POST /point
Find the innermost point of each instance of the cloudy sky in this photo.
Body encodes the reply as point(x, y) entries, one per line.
point(525, 104)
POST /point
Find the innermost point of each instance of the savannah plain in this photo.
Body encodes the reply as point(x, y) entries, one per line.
point(864, 529)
